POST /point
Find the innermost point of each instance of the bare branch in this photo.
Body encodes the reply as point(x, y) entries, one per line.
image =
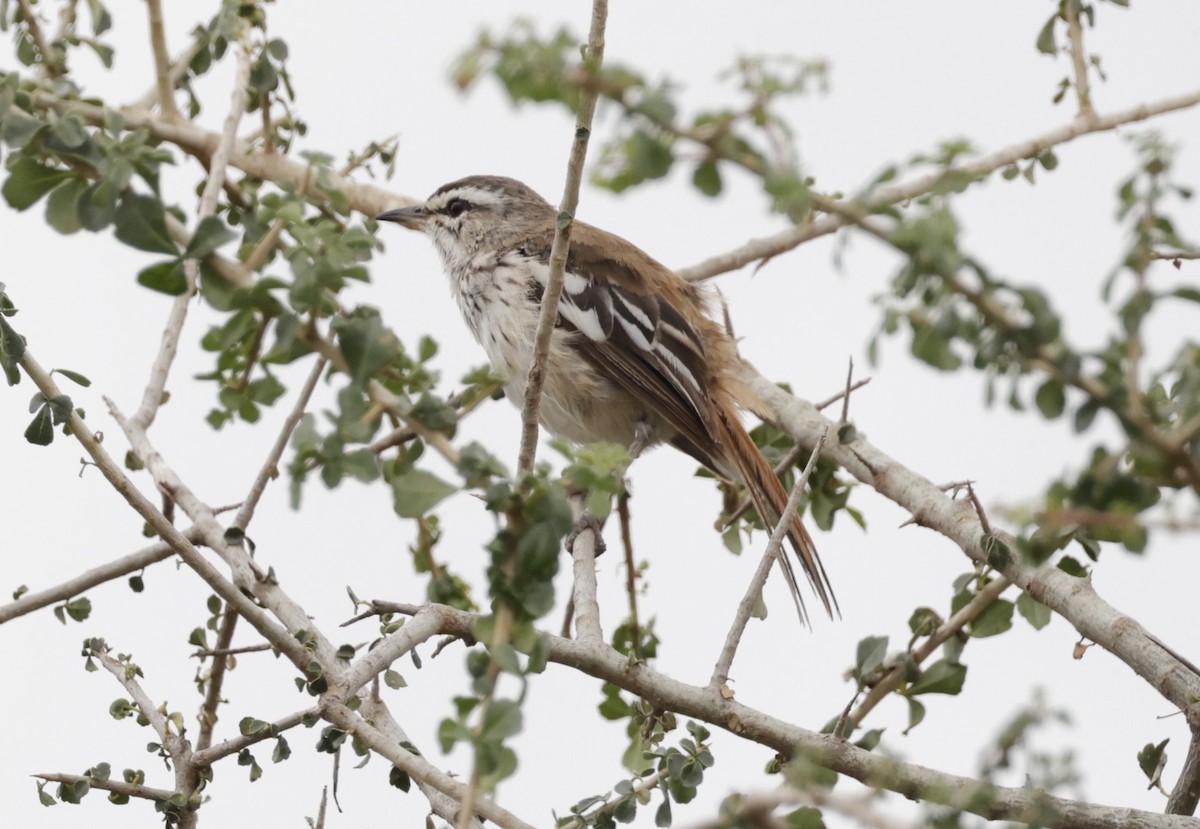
point(768, 246)
point(558, 252)
point(216, 679)
point(270, 467)
point(97, 575)
point(720, 672)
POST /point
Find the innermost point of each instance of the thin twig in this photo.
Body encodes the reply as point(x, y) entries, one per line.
point(207, 756)
point(635, 629)
point(980, 602)
point(270, 467)
point(174, 744)
point(1078, 59)
point(97, 575)
point(117, 786)
point(153, 396)
point(720, 672)
point(846, 392)
point(547, 319)
point(164, 85)
point(383, 398)
point(50, 64)
point(769, 246)
point(979, 510)
point(641, 788)
point(211, 652)
point(158, 721)
point(548, 315)
point(1172, 255)
point(216, 679)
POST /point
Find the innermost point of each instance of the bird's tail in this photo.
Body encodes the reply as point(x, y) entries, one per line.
point(770, 499)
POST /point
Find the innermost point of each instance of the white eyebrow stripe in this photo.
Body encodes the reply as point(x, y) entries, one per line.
point(474, 195)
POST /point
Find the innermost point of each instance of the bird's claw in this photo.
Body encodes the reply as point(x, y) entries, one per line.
point(587, 521)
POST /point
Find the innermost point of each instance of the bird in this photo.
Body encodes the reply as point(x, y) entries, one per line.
point(636, 357)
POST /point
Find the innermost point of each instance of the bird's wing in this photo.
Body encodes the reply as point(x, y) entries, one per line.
point(634, 335)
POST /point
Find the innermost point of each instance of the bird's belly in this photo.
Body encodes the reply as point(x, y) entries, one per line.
point(578, 402)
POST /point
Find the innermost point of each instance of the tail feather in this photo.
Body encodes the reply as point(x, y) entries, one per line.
point(770, 499)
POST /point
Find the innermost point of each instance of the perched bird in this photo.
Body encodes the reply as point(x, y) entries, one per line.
point(635, 358)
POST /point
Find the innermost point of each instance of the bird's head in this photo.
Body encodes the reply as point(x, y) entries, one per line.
point(476, 213)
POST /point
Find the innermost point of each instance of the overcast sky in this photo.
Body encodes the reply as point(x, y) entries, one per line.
point(904, 77)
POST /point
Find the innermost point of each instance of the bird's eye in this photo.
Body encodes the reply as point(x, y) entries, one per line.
point(456, 208)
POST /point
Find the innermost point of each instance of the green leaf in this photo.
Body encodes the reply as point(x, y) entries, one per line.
point(28, 181)
point(806, 817)
point(916, 713)
point(210, 234)
point(69, 129)
point(870, 655)
point(416, 491)
point(502, 720)
point(166, 277)
point(1045, 39)
point(1150, 758)
point(995, 618)
point(367, 345)
point(141, 223)
point(941, 677)
point(1050, 399)
point(17, 128)
point(41, 430)
point(1034, 612)
point(62, 208)
point(707, 178)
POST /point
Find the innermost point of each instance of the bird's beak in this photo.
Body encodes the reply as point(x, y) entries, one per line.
point(411, 217)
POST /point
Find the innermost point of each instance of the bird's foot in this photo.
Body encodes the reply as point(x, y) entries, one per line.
point(587, 521)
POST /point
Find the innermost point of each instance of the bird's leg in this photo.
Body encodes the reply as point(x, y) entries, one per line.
point(641, 439)
point(587, 521)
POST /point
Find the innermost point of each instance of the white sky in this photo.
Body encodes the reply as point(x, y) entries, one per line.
point(904, 77)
